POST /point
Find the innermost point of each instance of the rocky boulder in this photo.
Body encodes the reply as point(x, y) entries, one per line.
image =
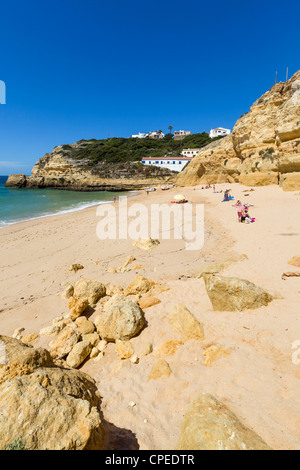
point(210, 425)
point(121, 319)
point(231, 293)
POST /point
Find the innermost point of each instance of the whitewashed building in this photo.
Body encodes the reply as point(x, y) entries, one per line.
point(179, 135)
point(219, 132)
point(149, 135)
point(155, 135)
point(140, 135)
point(172, 163)
point(190, 152)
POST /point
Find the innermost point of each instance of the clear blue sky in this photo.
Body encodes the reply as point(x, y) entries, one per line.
point(97, 69)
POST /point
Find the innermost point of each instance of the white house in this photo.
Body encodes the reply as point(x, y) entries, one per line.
point(179, 135)
point(150, 135)
point(190, 152)
point(140, 135)
point(172, 163)
point(155, 135)
point(218, 132)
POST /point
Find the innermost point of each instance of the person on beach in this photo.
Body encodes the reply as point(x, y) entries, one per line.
point(226, 195)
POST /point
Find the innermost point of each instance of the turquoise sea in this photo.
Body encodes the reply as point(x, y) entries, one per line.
point(17, 205)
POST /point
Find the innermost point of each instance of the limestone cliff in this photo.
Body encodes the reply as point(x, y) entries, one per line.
point(263, 149)
point(61, 169)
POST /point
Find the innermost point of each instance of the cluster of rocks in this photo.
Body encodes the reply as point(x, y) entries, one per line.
point(50, 376)
point(119, 317)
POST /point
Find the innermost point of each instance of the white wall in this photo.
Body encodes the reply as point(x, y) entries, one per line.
point(171, 166)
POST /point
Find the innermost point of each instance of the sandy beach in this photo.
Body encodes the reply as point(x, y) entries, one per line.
point(258, 381)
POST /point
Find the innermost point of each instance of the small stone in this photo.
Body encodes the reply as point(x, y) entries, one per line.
point(52, 330)
point(167, 349)
point(85, 326)
point(17, 334)
point(124, 349)
point(215, 352)
point(102, 345)
point(134, 359)
point(130, 259)
point(75, 267)
point(160, 369)
point(29, 338)
point(184, 323)
point(148, 302)
point(99, 356)
point(68, 292)
point(147, 349)
point(77, 307)
point(140, 285)
point(146, 243)
point(78, 354)
point(94, 352)
point(93, 338)
point(131, 404)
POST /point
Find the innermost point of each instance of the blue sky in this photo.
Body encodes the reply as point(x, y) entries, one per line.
point(98, 69)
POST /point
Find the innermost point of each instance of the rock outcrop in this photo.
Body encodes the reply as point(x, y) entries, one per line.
point(210, 425)
point(43, 406)
point(263, 149)
point(62, 169)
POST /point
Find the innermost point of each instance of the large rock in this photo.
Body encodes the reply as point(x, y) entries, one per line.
point(232, 293)
point(121, 319)
point(43, 406)
point(263, 149)
point(210, 425)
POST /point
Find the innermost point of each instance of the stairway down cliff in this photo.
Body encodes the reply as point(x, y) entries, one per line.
point(263, 149)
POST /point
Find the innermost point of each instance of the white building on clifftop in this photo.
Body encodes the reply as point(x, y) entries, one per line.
point(172, 163)
point(219, 132)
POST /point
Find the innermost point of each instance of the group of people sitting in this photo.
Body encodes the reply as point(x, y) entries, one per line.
point(243, 213)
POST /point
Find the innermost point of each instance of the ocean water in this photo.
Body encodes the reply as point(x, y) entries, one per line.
point(17, 205)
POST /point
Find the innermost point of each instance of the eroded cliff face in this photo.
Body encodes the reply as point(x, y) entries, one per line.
point(263, 149)
point(61, 170)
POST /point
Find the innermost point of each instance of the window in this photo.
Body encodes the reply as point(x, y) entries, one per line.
point(179, 163)
point(157, 162)
point(174, 163)
point(143, 161)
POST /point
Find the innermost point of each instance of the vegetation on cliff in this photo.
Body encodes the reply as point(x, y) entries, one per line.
point(120, 150)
